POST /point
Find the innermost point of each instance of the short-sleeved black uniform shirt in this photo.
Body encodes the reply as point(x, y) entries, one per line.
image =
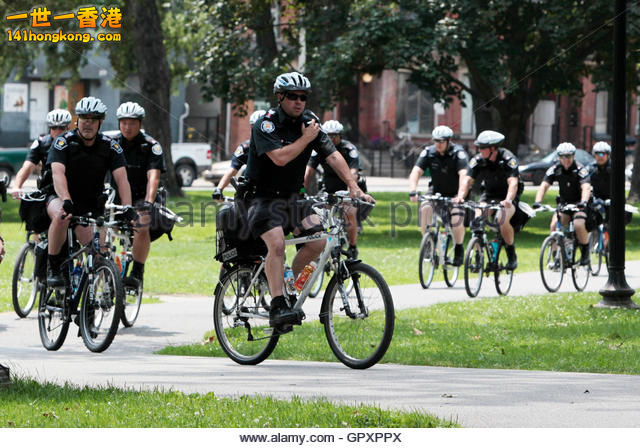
point(240, 155)
point(601, 180)
point(443, 168)
point(494, 175)
point(276, 130)
point(332, 181)
point(142, 154)
point(39, 150)
point(86, 167)
point(569, 181)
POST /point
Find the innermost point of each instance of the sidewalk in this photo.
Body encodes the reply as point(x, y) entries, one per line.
point(473, 397)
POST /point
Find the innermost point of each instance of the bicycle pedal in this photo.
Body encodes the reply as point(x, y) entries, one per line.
point(282, 329)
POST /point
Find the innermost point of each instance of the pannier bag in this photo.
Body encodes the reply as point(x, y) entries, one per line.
point(234, 241)
point(33, 212)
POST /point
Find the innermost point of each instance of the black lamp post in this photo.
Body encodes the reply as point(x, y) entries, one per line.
point(617, 293)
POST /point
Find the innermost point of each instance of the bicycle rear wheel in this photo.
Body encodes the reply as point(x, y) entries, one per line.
point(551, 263)
point(448, 269)
point(241, 316)
point(23, 284)
point(427, 261)
point(473, 266)
point(53, 323)
point(595, 252)
point(101, 312)
point(503, 277)
point(358, 326)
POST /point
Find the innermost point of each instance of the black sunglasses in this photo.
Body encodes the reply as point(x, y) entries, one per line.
point(600, 153)
point(58, 128)
point(565, 156)
point(294, 96)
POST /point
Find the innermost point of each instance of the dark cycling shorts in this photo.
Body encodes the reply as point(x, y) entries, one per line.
point(81, 209)
point(265, 214)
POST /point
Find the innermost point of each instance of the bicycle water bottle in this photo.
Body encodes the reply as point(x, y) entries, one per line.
point(304, 275)
point(568, 247)
point(289, 280)
point(494, 249)
point(443, 241)
point(75, 276)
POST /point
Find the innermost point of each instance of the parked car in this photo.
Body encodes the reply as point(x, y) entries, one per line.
point(217, 170)
point(11, 160)
point(189, 159)
point(534, 171)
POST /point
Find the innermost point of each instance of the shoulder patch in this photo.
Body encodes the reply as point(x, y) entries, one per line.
point(473, 162)
point(116, 147)
point(423, 153)
point(267, 126)
point(156, 149)
point(512, 163)
point(583, 172)
point(462, 155)
point(353, 153)
point(239, 151)
point(550, 171)
point(35, 144)
point(60, 143)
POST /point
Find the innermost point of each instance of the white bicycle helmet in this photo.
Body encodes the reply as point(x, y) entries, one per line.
point(130, 110)
point(291, 81)
point(565, 149)
point(442, 133)
point(488, 138)
point(58, 117)
point(91, 106)
point(332, 127)
point(602, 147)
point(255, 116)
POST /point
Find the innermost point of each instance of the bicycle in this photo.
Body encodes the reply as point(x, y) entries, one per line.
point(479, 247)
point(358, 325)
point(437, 246)
point(558, 252)
point(93, 293)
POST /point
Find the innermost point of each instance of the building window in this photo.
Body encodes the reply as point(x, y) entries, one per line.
point(414, 111)
point(602, 103)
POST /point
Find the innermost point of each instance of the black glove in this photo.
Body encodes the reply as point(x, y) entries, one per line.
point(217, 194)
point(145, 207)
point(129, 214)
point(536, 205)
point(67, 206)
point(582, 204)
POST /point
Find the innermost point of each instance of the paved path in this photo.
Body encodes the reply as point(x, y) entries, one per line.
point(473, 397)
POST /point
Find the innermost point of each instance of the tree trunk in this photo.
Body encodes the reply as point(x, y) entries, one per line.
point(155, 82)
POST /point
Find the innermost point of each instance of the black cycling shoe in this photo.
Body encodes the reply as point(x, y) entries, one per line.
point(584, 259)
point(281, 314)
point(55, 279)
point(134, 280)
point(458, 255)
point(512, 262)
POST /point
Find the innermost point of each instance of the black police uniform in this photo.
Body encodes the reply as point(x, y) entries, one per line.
point(142, 154)
point(240, 155)
point(86, 167)
point(443, 168)
point(39, 150)
point(601, 179)
point(569, 181)
point(274, 189)
point(332, 181)
point(493, 175)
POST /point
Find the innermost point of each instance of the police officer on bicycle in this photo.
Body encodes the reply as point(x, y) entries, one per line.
point(575, 188)
point(239, 159)
point(145, 164)
point(281, 145)
point(497, 169)
point(332, 181)
point(58, 121)
point(447, 163)
point(79, 160)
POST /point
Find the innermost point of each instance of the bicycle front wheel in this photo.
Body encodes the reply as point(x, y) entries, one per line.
point(427, 262)
point(241, 316)
point(579, 273)
point(596, 252)
point(449, 270)
point(473, 266)
point(53, 323)
point(132, 302)
point(100, 312)
point(23, 284)
point(551, 263)
point(358, 324)
point(503, 277)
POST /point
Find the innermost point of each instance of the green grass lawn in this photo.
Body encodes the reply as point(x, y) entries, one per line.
point(28, 404)
point(561, 332)
point(390, 242)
